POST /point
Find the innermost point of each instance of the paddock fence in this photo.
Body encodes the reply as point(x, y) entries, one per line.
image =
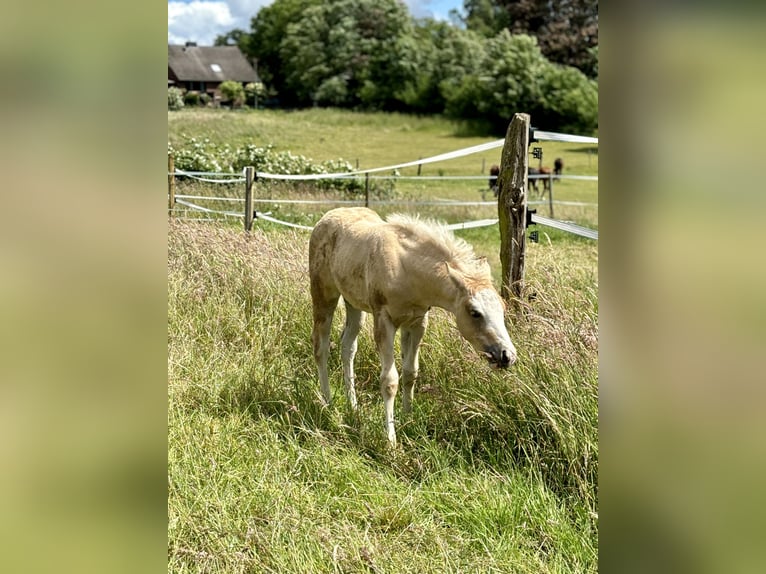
point(187, 206)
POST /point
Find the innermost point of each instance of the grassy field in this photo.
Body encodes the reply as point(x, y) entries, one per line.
point(496, 471)
point(376, 140)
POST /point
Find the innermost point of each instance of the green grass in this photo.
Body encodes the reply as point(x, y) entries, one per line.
point(375, 139)
point(495, 472)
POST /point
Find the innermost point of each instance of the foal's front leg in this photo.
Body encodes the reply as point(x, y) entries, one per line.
point(412, 335)
point(385, 332)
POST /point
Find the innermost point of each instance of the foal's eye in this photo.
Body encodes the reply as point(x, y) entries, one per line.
point(475, 314)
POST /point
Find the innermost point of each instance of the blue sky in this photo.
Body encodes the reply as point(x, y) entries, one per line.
point(202, 20)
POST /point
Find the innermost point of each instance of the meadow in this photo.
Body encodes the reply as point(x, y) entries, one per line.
point(495, 471)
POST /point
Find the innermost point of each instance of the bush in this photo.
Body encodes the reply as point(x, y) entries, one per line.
point(254, 91)
point(232, 92)
point(205, 99)
point(202, 154)
point(175, 99)
point(191, 98)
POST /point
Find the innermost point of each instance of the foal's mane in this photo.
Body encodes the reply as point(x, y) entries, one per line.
point(439, 239)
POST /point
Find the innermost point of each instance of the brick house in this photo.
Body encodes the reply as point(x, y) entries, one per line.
point(203, 68)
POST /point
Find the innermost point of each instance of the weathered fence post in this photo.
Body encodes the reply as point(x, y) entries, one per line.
point(367, 189)
point(512, 208)
point(249, 179)
point(171, 185)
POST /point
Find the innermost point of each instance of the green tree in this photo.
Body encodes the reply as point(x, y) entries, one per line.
point(566, 30)
point(269, 27)
point(485, 17)
point(235, 37)
point(514, 76)
point(350, 53)
point(570, 100)
point(507, 81)
point(444, 55)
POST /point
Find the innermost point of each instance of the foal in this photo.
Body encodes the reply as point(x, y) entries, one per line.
point(397, 270)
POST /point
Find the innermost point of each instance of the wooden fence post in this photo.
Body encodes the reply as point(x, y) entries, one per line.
point(367, 189)
point(512, 208)
point(249, 179)
point(171, 185)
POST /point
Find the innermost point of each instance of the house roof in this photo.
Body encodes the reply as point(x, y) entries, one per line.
point(209, 64)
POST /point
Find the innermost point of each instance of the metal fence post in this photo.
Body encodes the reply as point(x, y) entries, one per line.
point(249, 179)
point(171, 185)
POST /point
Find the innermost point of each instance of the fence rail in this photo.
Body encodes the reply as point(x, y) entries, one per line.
point(248, 176)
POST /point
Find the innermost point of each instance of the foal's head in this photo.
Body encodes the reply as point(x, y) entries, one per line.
point(480, 316)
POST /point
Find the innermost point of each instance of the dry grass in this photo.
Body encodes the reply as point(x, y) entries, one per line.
point(496, 471)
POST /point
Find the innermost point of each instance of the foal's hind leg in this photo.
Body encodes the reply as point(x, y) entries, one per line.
point(324, 308)
point(354, 320)
point(412, 335)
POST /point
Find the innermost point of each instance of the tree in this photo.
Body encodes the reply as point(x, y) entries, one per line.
point(269, 27)
point(514, 76)
point(350, 53)
point(566, 30)
point(485, 17)
point(235, 37)
point(445, 54)
point(570, 100)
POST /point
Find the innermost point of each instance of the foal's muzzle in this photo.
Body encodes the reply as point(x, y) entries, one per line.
point(500, 357)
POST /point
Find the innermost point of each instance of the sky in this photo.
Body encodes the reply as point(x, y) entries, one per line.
point(202, 20)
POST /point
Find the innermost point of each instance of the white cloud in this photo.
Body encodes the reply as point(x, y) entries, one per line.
point(201, 21)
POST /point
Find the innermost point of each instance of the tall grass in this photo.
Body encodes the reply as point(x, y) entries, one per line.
point(496, 471)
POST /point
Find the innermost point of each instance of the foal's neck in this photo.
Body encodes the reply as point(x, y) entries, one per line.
point(440, 289)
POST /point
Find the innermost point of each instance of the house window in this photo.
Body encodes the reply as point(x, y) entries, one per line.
point(215, 68)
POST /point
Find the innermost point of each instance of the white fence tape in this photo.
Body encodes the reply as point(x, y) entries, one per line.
point(556, 137)
point(562, 225)
point(209, 198)
point(194, 175)
point(441, 157)
point(259, 215)
point(206, 210)
point(472, 224)
point(565, 226)
point(537, 134)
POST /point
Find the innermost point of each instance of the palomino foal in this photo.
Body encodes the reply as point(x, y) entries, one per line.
point(396, 270)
